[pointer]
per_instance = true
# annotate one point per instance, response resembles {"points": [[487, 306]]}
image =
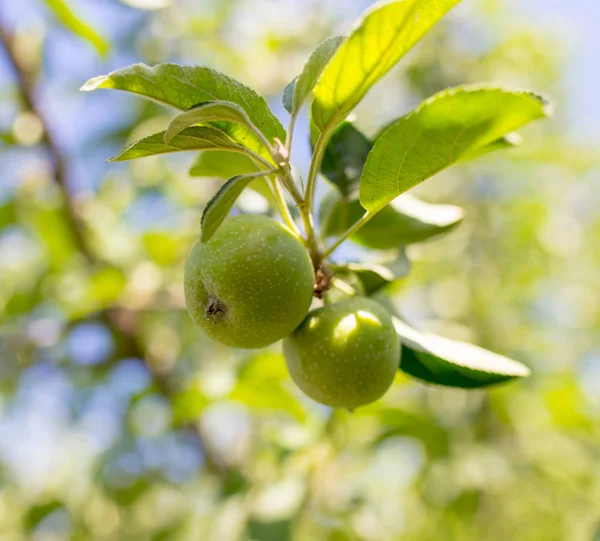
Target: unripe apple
{"points": [[344, 354], [251, 284]]}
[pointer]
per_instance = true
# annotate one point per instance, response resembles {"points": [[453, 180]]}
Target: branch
{"points": [[117, 319], [26, 86]]}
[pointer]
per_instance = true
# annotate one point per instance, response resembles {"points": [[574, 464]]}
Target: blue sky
{"points": [[580, 21]]}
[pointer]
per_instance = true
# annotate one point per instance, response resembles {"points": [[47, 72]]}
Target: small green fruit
{"points": [[344, 354], [251, 284]]}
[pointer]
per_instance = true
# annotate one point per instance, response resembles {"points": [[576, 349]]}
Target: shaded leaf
{"points": [[451, 363], [405, 220], [239, 127], [441, 131], [345, 157], [194, 138], [375, 276], [185, 87], [218, 207], [287, 98], [384, 35], [63, 12], [303, 85]]}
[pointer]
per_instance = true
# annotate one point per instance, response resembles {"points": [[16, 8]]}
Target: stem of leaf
{"points": [[286, 178], [260, 160], [349, 232], [311, 240], [283, 208], [315, 166], [305, 214]]}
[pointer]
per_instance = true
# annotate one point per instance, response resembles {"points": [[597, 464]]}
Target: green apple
{"points": [[344, 354], [251, 284]]}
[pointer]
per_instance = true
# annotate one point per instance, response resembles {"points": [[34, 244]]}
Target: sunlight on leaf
{"points": [[385, 34], [509, 141], [302, 86], [63, 12], [440, 132]]}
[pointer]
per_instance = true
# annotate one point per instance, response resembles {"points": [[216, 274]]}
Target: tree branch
{"points": [[117, 319], [26, 86]]}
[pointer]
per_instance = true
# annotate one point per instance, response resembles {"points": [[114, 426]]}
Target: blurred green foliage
{"points": [[120, 421]]}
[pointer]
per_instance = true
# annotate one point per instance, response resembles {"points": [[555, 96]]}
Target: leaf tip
{"points": [[522, 371], [546, 103], [94, 83], [206, 233]]}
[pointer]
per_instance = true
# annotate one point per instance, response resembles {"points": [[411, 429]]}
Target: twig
{"points": [[26, 87], [115, 318]]}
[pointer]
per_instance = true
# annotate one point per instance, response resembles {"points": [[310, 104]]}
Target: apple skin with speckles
{"points": [[345, 354], [251, 284]]}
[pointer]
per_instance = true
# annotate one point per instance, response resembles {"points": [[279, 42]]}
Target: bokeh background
{"points": [[120, 421]]}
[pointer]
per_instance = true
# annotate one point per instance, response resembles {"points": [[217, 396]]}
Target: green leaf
{"points": [[218, 207], [264, 384], [63, 12], [238, 126], [35, 514], [287, 97], [270, 530], [53, 229], [441, 131], [303, 85], [384, 35], [345, 157], [510, 140], [222, 164], [439, 360], [185, 87], [194, 138], [375, 276], [188, 404], [8, 214], [405, 220]]}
